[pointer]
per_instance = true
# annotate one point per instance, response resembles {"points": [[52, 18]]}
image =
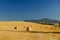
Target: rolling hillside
{"points": [[9, 32]]}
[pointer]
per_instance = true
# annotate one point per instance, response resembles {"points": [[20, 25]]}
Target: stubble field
{"points": [[7, 31]]}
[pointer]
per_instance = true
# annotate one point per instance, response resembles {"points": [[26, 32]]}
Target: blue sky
{"points": [[29, 9]]}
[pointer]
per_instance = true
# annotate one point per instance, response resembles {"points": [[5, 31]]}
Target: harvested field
{"points": [[14, 35], [17, 31]]}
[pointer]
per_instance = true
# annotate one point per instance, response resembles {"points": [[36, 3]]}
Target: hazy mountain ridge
{"points": [[44, 20]]}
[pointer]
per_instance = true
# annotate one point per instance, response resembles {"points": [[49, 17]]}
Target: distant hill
{"points": [[44, 20]]}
